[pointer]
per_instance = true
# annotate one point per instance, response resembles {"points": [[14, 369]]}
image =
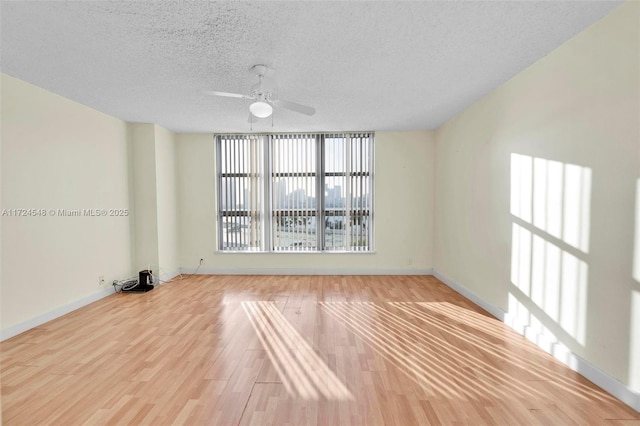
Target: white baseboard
{"points": [[571, 360], [166, 276], [304, 271], [14, 330], [493, 310]]}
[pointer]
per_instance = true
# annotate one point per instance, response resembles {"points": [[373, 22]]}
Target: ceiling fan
{"points": [[263, 98]]}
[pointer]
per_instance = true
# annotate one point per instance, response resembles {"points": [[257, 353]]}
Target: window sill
{"points": [[293, 252]]}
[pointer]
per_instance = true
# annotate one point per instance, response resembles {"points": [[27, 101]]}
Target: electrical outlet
{"points": [[101, 280]]}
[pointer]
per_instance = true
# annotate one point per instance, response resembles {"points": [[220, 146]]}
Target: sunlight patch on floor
{"points": [[303, 373]]}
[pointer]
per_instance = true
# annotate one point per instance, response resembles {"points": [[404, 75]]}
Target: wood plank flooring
{"points": [[297, 350]]}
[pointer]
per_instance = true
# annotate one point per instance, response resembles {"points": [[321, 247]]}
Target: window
{"points": [[295, 192]]}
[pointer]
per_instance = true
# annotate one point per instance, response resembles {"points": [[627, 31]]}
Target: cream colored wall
{"points": [[58, 154], [1, 207], [196, 197], [167, 217], [145, 198], [576, 110], [153, 175], [404, 167]]}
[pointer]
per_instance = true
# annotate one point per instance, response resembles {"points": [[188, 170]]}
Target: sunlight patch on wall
{"points": [[553, 197], [303, 373], [546, 276], [553, 279], [577, 202], [520, 318], [550, 203], [547, 196]]}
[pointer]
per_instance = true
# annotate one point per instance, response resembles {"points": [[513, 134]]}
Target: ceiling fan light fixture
{"points": [[261, 109]]}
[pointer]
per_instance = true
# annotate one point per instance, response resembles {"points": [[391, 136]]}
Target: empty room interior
{"points": [[320, 213]]}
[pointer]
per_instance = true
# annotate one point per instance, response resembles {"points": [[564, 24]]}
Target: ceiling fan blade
{"points": [[226, 94], [302, 109]]}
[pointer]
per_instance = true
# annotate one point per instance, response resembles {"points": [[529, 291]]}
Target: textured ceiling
{"points": [[362, 65]]}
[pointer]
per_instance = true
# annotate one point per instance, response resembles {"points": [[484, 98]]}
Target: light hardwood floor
{"points": [[297, 350]]}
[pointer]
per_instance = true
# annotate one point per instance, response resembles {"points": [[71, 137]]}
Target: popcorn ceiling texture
{"points": [[362, 65]]}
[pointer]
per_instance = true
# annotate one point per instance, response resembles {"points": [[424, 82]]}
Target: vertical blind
{"points": [[240, 192], [294, 189], [295, 192], [347, 186]]}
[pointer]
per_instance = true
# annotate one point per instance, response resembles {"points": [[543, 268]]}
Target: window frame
{"points": [[267, 211]]}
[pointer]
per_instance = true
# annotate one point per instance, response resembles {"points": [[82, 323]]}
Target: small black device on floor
{"points": [[145, 278]]}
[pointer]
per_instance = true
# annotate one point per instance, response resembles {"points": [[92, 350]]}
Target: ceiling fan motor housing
{"points": [[261, 95]]}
